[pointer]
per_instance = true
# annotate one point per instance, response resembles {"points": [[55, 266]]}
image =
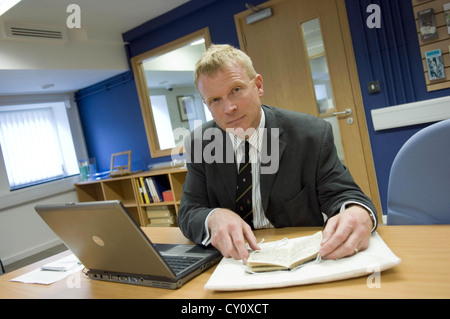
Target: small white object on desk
{"points": [[64, 264]]}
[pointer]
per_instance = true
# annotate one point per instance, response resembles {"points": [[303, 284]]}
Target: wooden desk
{"points": [[423, 273]]}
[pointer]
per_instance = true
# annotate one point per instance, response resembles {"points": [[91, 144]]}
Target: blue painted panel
{"points": [[112, 122]]}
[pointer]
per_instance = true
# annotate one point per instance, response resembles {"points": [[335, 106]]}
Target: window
{"points": [[36, 143], [163, 126]]}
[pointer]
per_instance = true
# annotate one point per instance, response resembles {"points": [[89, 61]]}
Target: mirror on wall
{"points": [[167, 94]]}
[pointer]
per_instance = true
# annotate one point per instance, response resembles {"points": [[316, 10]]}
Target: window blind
{"points": [[30, 146]]}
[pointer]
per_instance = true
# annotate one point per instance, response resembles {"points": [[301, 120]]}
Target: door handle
{"points": [[347, 112]]}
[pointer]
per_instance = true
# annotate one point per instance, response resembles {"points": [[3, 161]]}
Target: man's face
{"points": [[232, 97]]}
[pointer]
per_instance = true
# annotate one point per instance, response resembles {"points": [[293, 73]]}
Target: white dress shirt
{"points": [[255, 141]]}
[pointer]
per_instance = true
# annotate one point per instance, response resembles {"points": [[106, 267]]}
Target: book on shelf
{"points": [[149, 185], [285, 254], [160, 211], [163, 222], [152, 188], [168, 195], [162, 225], [141, 191], [161, 216], [144, 190]]}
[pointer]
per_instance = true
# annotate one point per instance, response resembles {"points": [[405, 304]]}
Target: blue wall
{"points": [[112, 122], [111, 115]]}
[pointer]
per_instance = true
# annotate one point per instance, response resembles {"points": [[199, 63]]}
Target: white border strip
{"points": [[37, 192], [411, 114]]}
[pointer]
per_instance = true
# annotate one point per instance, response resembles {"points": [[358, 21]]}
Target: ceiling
{"points": [[110, 18]]}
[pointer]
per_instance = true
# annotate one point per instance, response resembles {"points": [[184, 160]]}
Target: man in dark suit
{"points": [[297, 177]]}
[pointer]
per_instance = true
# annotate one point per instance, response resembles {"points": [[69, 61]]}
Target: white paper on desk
{"points": [[46, 277], [230, 274]]}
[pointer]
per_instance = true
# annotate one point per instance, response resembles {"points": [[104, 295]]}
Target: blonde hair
{"points": [[219, 56]]}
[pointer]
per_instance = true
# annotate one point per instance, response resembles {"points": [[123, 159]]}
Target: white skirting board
{"points": [[31, 251], [411, 114]]}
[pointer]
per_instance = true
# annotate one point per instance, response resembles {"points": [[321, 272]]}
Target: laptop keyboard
{"points": [[180, 263]]}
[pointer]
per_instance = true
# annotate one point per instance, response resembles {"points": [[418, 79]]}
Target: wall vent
{"points": [[29, 32]]}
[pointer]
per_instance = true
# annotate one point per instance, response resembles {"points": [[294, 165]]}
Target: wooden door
{"points": [[305, 56]]}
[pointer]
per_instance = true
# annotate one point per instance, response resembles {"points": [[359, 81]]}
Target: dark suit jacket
{"points": [[310, 178]]}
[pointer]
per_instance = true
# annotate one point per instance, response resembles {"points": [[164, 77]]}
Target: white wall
{"points": [[22, 231], [81, 51]]}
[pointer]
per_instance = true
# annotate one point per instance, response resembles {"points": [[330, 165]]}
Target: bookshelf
{"points": [[128, 189]]}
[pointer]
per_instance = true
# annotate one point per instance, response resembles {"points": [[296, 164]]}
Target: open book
{"points": [[285, 254]]}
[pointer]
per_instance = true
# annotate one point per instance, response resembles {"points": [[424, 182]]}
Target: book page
{"points": [[286, 253], [305, 249], [278, 256]]}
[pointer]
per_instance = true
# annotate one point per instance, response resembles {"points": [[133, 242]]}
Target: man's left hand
{"points": [[347, 233]]}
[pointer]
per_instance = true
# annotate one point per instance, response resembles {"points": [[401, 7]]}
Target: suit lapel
{"points": [[227, 169], [272, 138]]}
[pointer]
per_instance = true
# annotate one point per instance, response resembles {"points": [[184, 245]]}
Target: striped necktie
{"points": [[244, 188]]}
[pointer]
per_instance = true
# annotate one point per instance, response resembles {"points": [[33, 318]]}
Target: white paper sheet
{"points": [[47, 277], [230, 274]]}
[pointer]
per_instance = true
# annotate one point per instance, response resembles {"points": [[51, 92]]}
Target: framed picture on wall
{"points": [[427, 24], [447, 16], [435, 65], [186, 106]]}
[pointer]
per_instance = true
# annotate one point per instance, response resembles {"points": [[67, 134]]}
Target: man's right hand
{"points": [[229, 233]]}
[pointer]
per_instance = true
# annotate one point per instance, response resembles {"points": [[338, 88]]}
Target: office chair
{"points": [[419, 181]]}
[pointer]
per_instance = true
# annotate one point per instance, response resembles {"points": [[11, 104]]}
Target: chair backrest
{"points": [[419, 182]]}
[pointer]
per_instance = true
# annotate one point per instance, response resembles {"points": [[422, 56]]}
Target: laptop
{"points": [[109, 243]]}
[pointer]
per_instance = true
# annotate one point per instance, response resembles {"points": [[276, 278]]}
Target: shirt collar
{"points": [[254, 139]]}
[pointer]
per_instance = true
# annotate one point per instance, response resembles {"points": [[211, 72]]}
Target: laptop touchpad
{"points": [[197, 250], [183, 250]]}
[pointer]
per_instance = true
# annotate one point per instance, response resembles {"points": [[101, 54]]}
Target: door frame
{"points": [[356, 91]]}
